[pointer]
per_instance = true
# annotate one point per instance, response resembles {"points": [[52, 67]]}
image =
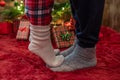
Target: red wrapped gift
{"points": [[62, 36], [16, 23], [5, 28], [23, 30]]}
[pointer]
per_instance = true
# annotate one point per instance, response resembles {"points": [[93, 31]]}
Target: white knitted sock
{"points": [[41, 45]]}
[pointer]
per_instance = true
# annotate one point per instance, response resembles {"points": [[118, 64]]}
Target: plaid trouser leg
{"points": [[39, 11]]}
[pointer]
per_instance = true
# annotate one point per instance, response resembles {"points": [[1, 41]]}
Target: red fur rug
{"points": [[17, 63]]}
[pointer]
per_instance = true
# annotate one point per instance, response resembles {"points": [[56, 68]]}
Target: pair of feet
{"points": [[76, 57]]}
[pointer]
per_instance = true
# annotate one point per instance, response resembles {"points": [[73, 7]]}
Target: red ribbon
{"points": [[23, 29]]}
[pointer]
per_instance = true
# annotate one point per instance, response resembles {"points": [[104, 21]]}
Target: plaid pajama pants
{"points": [[39, 11]]}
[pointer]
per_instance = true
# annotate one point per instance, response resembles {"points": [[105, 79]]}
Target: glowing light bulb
{"points": [[21, 1], [19, 8], [21, 5], [63, 8]]}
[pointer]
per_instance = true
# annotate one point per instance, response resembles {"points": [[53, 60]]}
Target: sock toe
{"points": [[56, 51]]}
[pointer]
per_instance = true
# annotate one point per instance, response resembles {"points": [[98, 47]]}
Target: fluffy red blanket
{"points": [[17, 63]]}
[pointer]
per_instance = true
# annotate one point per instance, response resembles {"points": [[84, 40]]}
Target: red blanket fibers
{"points": [[17, 63]]}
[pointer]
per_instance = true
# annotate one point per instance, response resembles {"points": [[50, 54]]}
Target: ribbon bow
{"points": [[23, 29]]}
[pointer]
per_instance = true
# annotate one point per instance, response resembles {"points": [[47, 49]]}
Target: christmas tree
{"points": [[63, 27], [61, 12], [13, 9]]}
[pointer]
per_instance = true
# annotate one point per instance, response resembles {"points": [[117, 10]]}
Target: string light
{"points": [[63, 8]]}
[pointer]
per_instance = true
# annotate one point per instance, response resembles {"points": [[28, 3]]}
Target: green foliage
{"points": [[61, 11], [10, 13], [66, 36]]}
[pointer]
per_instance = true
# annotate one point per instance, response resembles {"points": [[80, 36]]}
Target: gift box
{"points": [[6, 28], [62, 36], [23, 30]]}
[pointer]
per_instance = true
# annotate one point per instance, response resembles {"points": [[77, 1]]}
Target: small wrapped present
{"points": [[16, 22], [6, 28], [62, 36], [23, 30]]}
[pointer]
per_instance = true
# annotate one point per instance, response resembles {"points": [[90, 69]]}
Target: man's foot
{"points": [[69, 50], [80, 58]]}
